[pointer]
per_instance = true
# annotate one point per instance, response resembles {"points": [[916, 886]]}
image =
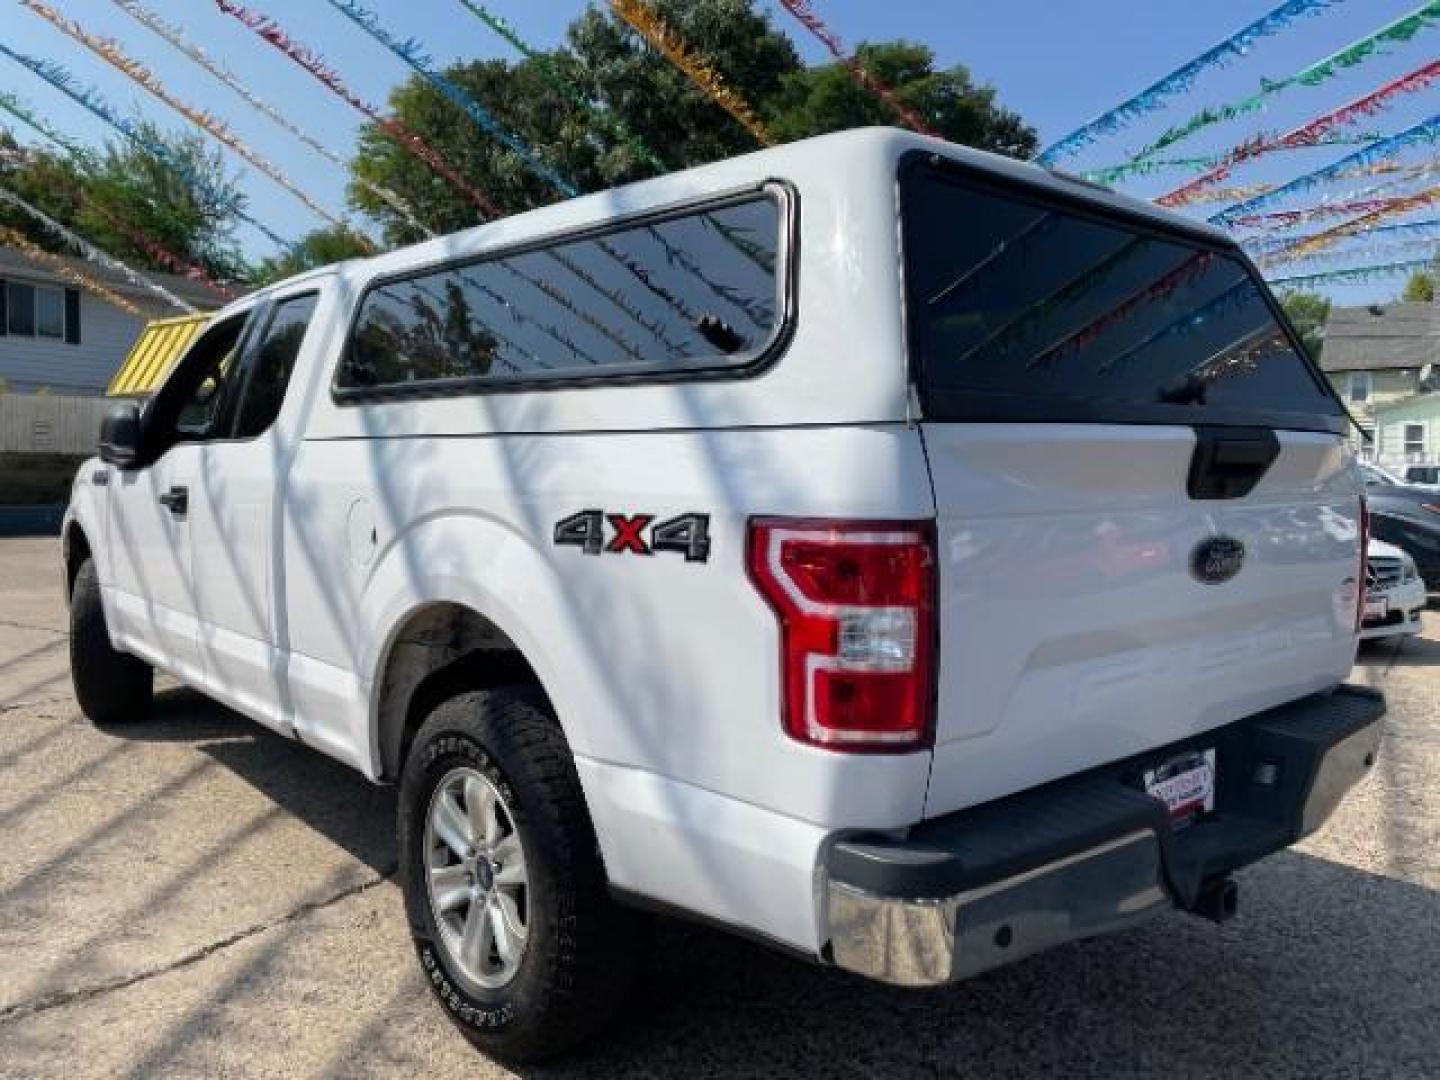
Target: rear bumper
{"points": [[1091, 853]]}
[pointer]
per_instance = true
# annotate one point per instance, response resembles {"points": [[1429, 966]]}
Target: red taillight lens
{"points": [[1364, 561], [856, 605]]}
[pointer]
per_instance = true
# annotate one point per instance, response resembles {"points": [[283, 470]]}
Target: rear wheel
{"points": [[504, 888], [110, 686]]}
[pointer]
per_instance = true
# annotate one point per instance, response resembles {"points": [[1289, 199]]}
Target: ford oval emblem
{"points": [[1217, 559]]}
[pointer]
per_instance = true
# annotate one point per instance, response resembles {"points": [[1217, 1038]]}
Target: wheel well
{"points": [[440, 651], [77, 550]]}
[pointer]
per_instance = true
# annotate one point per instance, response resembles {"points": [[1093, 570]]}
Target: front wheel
{"points": [[110, 686], [504, 888]]}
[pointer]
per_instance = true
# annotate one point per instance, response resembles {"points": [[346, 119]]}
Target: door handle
{"points": [[176, 500]]}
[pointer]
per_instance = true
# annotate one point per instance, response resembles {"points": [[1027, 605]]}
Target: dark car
{"points": [[1409, 518]]}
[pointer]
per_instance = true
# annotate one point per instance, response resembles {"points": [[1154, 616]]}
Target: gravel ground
{"points": [[192, 896]]}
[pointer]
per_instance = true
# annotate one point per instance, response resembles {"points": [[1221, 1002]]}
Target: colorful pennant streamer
{"points": [[89, 99], [649, 25], [1352, 275], [807, 18], [1430, 228], [271, 32], [16, 108], [172, 34], [410, 51], [11, 238], [1238, 194], [110, 52], [575, 95], [1181, 79], [1371, 252], [1354, 54], [1362, 224], [162, 255], [93, 253], [1427, 131], [1110, 174], [1305, 135]]}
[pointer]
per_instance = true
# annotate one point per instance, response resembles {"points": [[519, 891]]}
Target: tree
{"points": [[1421, 287], [122, 192], [820, 99], [1308, 312], [637, 104], [318, 248]]}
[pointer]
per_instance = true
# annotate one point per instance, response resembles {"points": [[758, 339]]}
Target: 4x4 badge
{"points": [[1217, 559]]}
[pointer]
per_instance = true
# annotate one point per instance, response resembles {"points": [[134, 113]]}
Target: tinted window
{"points": [[1026, 309], [271, 363], [698, 290]]}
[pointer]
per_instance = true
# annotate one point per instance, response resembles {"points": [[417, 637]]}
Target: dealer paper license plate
{"points": [[1376, 608], [1185, 783]]}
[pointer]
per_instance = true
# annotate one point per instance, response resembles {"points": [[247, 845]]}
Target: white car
{"points": [[1394, 592], [900, 554]]}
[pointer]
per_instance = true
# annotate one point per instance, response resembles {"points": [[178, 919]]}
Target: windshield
{"points": [[1025, 308]]}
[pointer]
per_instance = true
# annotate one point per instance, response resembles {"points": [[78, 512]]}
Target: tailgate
{"points": [[1076, 627], [1147, 518]]}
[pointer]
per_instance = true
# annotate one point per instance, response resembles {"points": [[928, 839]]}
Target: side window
{"points": [[271, 363], [197, 399], [694, 290]]}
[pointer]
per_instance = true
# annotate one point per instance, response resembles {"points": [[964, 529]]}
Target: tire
{"points": [[581, 951], [112, 687]]}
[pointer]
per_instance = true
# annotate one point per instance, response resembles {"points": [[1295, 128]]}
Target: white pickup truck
{"points": [[903, 555]]}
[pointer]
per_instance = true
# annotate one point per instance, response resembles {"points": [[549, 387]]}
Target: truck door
{"points": [[235, 508], [152, 576]]}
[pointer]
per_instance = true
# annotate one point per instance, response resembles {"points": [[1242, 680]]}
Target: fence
{"points": [[48, 424]]}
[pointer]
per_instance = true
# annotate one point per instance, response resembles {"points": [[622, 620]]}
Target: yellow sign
{"points": [[154, 353]]}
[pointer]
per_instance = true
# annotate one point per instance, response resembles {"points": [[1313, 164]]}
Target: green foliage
{"points": [[318, 248], [632, 100], [113, 196], [1308, 312], [1421, 287], [821, 99]]}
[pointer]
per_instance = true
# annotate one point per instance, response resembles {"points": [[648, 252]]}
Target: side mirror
{"points": [[120, 435]]}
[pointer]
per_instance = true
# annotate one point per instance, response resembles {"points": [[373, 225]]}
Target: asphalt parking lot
{"points": [[192, 896]]}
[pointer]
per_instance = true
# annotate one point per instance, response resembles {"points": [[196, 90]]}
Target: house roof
{"points": [[1382, 337], [193, 292]]}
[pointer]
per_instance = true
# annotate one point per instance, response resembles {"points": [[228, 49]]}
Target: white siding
{"points": [[106, 334]]}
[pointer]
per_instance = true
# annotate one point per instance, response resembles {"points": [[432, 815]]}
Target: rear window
{"points": [[692, 291], [1026, 308]]}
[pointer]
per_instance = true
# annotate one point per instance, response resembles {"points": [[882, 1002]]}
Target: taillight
{"points": [[1364, 561], [856, 605]]}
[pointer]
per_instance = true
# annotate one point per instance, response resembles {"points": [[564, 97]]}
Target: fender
{"points": [[468, 558]]}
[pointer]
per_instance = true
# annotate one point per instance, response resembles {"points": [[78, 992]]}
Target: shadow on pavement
{"points": [[1177, 998], [331, 798], [1327, 971]]}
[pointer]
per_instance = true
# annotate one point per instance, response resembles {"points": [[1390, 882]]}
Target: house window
{"points": [[1359, 386], [49, 313], [1414, 440], [44, 311], [20, 301]]}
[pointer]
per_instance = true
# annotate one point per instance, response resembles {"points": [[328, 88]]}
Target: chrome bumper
{"points": [[987, 887]]}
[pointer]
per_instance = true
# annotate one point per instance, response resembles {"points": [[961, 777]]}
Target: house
{"points": [[1380, 354], [68, 341], [1407, 432]]}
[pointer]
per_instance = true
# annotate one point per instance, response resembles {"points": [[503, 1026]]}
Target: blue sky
{"points": [[1058, 62]]}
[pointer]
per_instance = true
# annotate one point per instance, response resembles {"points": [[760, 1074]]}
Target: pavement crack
{"points": [[30, 626], [57, 998]]}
